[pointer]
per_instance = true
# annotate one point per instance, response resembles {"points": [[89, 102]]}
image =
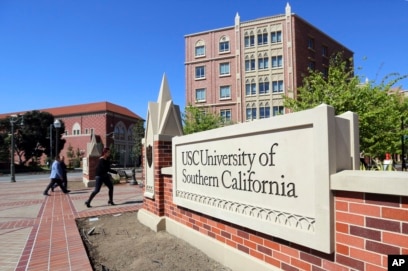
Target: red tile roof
{"points": [[84, 109]]}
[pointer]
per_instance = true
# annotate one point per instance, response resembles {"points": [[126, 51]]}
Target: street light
{"points": [[50, 142], [13, 119], [403, 161], [57, 125], [113, 135]]}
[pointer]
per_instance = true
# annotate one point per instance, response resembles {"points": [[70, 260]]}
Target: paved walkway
{"points": [[39, 233]]}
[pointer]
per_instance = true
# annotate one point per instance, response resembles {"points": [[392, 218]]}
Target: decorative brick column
{"points": [[162, 159], [94, 152]]}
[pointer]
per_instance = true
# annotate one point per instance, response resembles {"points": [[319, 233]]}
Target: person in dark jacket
{"points": [[64, 173], [102, 177]]}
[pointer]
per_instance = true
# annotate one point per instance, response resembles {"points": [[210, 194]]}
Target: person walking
{"points": [[56, 177], [64, 175], [102, 177]]}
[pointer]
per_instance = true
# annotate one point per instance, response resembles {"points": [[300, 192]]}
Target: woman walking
{"points": [[102, 177]]}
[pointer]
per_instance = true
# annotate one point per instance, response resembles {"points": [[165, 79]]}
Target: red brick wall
{"points": [[97, 122], [213, 81], [102, 124], [368, 227], [303, 31], [162, 158]]}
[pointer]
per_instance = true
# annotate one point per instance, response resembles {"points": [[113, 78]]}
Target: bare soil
{"points": [[119, 242]]}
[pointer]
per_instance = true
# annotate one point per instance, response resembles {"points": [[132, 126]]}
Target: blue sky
{"points": [[64, 52]]}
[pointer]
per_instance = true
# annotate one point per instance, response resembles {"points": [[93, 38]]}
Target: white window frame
{"points": [[276, 36], [201, 75], [250, 88], [277, 86], [277, 61], [202, 97], [250, 112], [226, 115], [225, 69], [278, 110], [227, 95], [264, 111]]}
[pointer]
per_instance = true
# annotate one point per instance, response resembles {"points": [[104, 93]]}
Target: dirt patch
{"points": [[119, 242]]}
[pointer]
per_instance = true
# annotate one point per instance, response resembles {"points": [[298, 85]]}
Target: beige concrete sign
{"points": [[269, 175]]}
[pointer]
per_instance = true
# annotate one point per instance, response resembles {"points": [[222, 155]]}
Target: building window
{"points": [[250, 65], [312, 65], [262, 39], [76, 129], [200, 72], [325, 51], [277, 61], [263, 62], [249, 41], [224, 69], [251, 112], [264, 111], [277, 86], [277, 110], [225, 115], [200, 95], [276, 37], [264, 87], [225, 92], [200, 49], [120, 131], [311, 43], [224, 45], [250, 88]]}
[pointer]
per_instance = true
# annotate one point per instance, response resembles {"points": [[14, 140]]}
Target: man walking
{"points": [[57, 176]]}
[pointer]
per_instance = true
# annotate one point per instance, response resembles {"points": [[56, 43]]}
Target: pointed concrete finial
{"points": [[164, 95], [237, 19], [288, 9], [93, 139]]}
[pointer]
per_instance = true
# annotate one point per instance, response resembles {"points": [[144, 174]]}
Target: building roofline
{"points": [[259, 20], [209, 31], [322, 32], [78, 109]]}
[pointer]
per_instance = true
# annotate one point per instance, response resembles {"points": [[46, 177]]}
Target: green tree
{"points": [[114, 154], [138, 134], [32, 139], [4, 149], [379, 112], [74, 157], [196, 120]]}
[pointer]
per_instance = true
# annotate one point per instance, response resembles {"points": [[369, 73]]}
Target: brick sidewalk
{"points": [[39, 232]]}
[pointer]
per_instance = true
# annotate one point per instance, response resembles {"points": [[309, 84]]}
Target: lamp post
{"points": [[112, 135], [51, 142], [124, 157], [13, 119], [404, 165], [57, 125]]}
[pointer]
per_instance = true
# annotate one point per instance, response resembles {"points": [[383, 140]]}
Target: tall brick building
{"points": [[242, 71], [112, 125]]}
